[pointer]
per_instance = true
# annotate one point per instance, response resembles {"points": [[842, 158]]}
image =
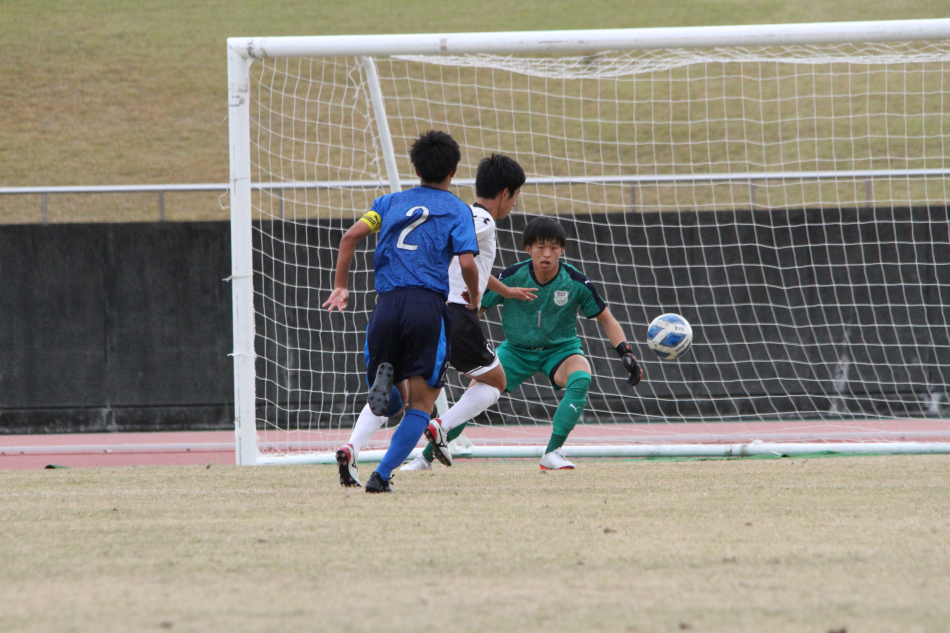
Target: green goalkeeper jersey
{"points": [[551, 319]]}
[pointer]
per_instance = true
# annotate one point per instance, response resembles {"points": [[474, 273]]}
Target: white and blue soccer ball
{"points": [[669, 336]]}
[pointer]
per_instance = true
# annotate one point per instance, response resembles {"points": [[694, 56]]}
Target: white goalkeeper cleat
{"points": [[419, 463], [555, 460], [439, 438], [346, 461]]}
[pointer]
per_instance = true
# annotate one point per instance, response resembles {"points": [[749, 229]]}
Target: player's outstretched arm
{"points": [[614, 332], [522, 294], [341, 294], [470, 277]]}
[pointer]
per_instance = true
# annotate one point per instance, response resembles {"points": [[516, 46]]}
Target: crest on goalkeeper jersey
{"points": [[669, 336], [560, 297]]}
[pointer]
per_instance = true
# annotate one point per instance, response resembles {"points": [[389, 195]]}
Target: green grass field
{"points": [[856, 544], [111, 92]]}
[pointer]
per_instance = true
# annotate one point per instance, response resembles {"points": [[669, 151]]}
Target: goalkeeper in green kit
{"points": [[541, 336]]}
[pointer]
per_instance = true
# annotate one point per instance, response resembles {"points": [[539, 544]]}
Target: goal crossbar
{"points": [[590, 40]]}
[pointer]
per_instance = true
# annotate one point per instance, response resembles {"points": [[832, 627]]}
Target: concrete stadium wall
{"points": [[115, 327]]}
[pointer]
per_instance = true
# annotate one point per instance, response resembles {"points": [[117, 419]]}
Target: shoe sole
{"points": [[382, 388], [346, 479], [561, 468], [436, 451]]}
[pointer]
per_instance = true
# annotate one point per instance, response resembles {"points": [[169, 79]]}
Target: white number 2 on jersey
{"points": [[401, 242]]}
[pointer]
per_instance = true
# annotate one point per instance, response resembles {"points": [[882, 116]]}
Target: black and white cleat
{"points": [[440, 442], [379, 393], [346, 460]]}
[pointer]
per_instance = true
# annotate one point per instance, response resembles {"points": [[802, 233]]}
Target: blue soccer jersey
{"points": [[420, 231]]}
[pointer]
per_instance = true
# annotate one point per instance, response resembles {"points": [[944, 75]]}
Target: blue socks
{"points": [[395, 402], [405, 438]]}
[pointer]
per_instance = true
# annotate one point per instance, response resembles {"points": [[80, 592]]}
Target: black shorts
{"points": [[411, 330], [472, 354]]}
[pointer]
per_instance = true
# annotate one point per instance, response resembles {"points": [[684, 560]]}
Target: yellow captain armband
{"points": [[373, 220]]}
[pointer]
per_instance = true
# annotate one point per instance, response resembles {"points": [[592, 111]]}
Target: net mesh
{"points": [[790, 202]]}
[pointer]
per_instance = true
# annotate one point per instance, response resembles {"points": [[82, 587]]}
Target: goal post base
{"points": [[750, 449]]}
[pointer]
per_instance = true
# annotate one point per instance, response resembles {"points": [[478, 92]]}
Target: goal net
{"points": [[789, 200]]}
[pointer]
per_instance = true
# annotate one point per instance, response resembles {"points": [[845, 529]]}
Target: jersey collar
{"points": [[560, 267]]}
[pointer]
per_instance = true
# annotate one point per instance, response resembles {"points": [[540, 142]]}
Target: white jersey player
{"points": [[497, 184]]}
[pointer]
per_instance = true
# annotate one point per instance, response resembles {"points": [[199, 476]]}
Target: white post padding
{"points": [[242, 267], [752, 449]]}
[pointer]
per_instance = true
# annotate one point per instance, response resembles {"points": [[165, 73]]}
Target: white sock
{"points": [[366, 426], [472, 402]]}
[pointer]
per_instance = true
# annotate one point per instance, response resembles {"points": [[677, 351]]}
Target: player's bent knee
{"points": [[501, 382], [578, 383], [495, 378], [578, 363], [421, 395], [495, 395], [570, 366]]}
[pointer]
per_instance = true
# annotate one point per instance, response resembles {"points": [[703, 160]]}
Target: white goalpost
{"points": [[783, 187]]}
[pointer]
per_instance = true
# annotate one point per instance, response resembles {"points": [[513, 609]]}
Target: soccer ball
{"points": [[669, 336]]}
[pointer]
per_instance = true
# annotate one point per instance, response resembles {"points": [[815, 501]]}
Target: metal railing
{"points": [[752, 178], [44, 192]]}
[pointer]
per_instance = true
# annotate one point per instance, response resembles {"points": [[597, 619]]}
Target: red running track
{"points": [[99, 450], [217, 447]]}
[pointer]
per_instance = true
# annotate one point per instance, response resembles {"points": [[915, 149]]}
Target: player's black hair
{"points": [[435, 155], [497, 173], [544, 229]]}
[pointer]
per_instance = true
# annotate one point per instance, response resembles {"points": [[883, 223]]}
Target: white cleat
{"points": [[439, 438], [555, 460], [419, 463], [346, 462]]}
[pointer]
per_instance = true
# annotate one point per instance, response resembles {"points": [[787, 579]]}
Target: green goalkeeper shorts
{"points": [[520, 363]]}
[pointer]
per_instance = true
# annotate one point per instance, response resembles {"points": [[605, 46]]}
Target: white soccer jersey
{"points": [[485, 233]]}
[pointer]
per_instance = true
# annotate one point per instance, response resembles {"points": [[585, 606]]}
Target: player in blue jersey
{"points": [[408, 338], [498, 181]]}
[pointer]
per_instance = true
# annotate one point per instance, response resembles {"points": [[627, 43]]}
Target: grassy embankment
{"points": [[110, 92]]}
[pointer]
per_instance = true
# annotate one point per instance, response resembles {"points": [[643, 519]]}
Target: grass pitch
{"points": [[783, 545]]}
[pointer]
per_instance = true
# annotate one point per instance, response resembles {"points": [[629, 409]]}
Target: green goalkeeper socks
{"points": [[453, 433], [570, 409]]}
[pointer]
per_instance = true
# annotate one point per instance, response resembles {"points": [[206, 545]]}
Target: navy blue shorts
{"points": [[410, 329]]}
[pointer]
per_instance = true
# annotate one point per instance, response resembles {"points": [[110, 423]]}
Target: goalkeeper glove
{"points": [[630, 363]]}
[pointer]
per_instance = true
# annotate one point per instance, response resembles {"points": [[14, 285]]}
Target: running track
{"points": [[217, 447]]}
